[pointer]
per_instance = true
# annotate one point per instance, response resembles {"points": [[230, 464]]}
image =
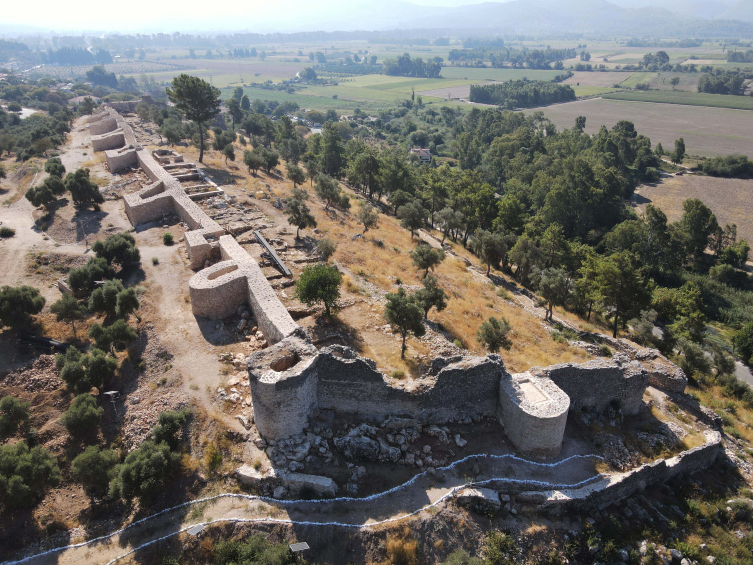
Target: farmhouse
{"points": [[424, 155]]}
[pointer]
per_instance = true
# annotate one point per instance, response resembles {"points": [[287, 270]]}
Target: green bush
{"points": [[6, 232], [13, 414], [168, 426], [83, 279], [499, 549], [167, 238], [84, 416], [93, 469], [155, 261], [18, 304], [105, 297], [25, 474], [81, 372], [116, 336], [493, 334], [252, 551], [145, 471], [118, 248]]}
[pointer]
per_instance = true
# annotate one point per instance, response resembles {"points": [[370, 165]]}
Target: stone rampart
{"points": [[598, 383], [349, 383], [533, 411], [218, 290], [214, 293], [621, 486]]}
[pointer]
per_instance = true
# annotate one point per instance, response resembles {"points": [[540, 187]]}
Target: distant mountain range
{"points": [[638, 18]]}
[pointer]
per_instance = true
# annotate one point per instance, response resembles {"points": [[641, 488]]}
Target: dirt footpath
{"points": [[413, 497]]}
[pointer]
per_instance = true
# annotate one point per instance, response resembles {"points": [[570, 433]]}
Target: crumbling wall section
{"points": [[621, 486], [597, 383], [350, 383]]}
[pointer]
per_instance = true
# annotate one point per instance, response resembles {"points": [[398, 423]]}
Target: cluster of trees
{"points": [[722, 82], [517, 58], [82, 190], [76, 56], [521, 93], [655, 61], [663, 43], [740, 56], [730, 166], [35, 135], [404, 66]]}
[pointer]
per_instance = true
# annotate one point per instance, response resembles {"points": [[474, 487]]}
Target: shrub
{"points": [[83, 372], [255, 549], [18, 303], [93, 469], [327, 248], [145, 471], [83, 279], [6, 232], [25, 474], [13, 413], [493, 334], [83, 416], [319, 284], [168, 426], [155, 261], [167, 238], [743, 342], [105, 297], [499, 548], [118, 248], [115, 337]]}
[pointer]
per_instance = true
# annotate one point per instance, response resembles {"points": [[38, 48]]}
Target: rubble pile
{"points": [[38, 376]]}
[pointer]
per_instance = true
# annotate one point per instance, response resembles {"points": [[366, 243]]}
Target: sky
{"points": [[198, 15]]}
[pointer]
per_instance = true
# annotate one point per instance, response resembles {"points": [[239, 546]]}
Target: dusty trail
{"points": [[403, 501]]}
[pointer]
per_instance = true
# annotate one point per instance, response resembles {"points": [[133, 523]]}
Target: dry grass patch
{"points": [[382, 260]]}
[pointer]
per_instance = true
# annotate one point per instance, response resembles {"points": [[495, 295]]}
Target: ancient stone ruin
{"points": [[292, 380]]}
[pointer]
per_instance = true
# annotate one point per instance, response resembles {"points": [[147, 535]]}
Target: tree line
{"points": [[407, 67], [521, 93]]}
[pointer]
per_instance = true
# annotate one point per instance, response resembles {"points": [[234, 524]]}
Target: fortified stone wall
{"points": [[215, 292], [348, 383], [624, 485], [218, 290], [292, 379], [598, 383]]}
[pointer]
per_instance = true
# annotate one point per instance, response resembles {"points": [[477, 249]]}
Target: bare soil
{"points": [[707, 131], [731, 200]]}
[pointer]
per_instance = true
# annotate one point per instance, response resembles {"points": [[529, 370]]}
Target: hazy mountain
{"points": [[639, 18]]}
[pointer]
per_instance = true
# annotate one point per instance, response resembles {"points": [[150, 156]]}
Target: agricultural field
{"points": [[686, 98], [707, 132], [637, 78], [127, 68], [731, 200]]}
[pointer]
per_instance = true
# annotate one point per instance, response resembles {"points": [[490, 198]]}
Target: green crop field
{"points": [[581, 91], [687, 98], [637, 78]]}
